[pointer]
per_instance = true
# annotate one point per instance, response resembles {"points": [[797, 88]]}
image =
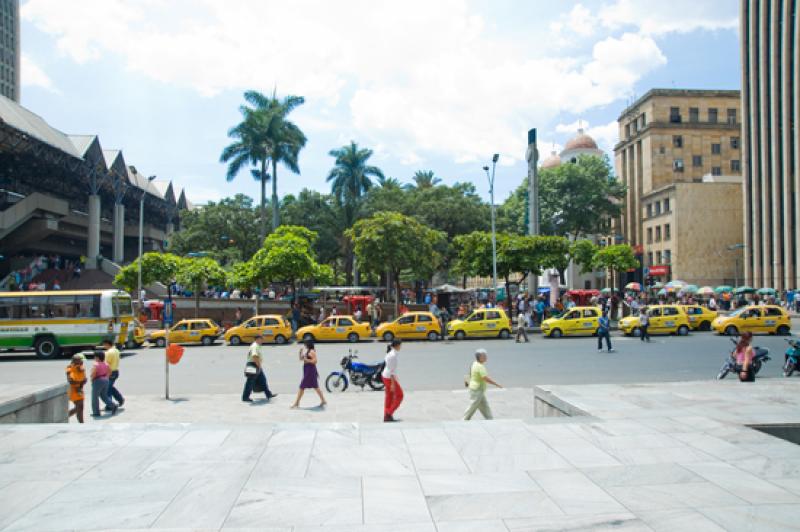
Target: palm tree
{"points": [[265, 137], [350, 179], [425, 179], [389, 183]]}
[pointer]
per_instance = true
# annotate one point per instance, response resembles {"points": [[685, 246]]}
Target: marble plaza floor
{"points": [[649, 457]]}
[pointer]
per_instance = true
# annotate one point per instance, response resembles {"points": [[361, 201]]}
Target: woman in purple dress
{"points": [[308, 356]]}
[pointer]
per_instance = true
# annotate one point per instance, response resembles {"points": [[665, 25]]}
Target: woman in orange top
{"points": [[76, 376]]}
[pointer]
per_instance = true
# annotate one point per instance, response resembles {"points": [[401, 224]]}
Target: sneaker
{"points": [[248, 400], [611, 350], [272, 396], [121, 403], [388, 419], [599, 350]]}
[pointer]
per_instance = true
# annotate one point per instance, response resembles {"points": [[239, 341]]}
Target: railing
{"points": [[35, 268]]}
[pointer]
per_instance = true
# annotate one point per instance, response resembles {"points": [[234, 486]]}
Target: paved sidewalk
{"points": [[651, 457]]}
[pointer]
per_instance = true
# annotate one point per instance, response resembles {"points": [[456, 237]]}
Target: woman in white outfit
{"points": [[478, 377]]}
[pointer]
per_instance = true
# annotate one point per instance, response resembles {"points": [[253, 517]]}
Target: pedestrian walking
{"points": [[76, 377], [237, 316], [604, 331], [308, 356], [255, 378], [99, 376], [393, 392], [478, 378], [112, 359], [644, 324], [521, 322], [295, 317]]}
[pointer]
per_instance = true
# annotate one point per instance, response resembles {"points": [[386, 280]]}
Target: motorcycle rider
{"points": [[744, 358]]}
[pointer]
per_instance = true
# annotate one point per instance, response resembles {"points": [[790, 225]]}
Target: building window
{"points": [[667, 232], [716, 170], [649, 235], [649, 210], [627, 131], [677, 165], [736, 165], [666, 205], [734, 143], [712, 115], [658, 208], [677, 141], [667, 256], [649, 258], [658, 233], [697, 160], [643, 119], [658, 257], [662, 150], [675, 115], [716, 149], [694, 114], [732, 117]]}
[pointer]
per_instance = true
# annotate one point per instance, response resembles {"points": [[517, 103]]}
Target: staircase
{"points": [[25, 209]]}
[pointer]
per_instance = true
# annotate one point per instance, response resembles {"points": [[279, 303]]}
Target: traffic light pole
{"points": [[532, 157]]}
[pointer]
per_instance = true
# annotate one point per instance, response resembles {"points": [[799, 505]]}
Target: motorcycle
{"points": [[356, 373], [761, 355], [792, 357]]}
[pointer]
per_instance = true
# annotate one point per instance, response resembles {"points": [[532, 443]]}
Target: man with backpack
{"points": [[604, 331]]}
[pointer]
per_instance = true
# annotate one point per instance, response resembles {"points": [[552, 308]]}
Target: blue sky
{"points": [[428, 85]]}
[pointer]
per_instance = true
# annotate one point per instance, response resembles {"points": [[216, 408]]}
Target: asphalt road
{"points": [[423, 365]]}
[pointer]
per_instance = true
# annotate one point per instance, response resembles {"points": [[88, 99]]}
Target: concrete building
{"points": [[670, 138], [9, 49], [65, 195], [770, 39]]}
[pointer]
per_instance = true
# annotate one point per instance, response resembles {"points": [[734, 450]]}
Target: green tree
{"points": [[197, 274], [245, 276], [511, 215], [227, 229], [616, 258], [350, 178], [582, 252], [424, 179], [394, 242], [265, 136], [288, 256], [320, 213], [156, 268]]}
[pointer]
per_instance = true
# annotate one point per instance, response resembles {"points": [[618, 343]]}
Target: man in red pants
{"points": [[394, 393]]}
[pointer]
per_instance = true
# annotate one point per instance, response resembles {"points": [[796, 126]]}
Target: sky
{"points": [[428, 85]]}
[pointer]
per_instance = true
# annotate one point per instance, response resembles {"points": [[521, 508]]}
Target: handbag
{"points": [[250, 369]]}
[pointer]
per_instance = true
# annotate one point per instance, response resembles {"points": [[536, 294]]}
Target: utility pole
{"points": [[495, 158], [532, 156]]}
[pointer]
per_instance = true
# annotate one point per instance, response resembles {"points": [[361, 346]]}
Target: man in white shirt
{"points": [[394, 393], [255, 381]]}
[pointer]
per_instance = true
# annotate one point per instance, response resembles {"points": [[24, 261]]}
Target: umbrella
{"points": [[605, 291], [662, 292], [689, 289], [676, 284], [744, 290], [766, 291], [723, 288], [704, 291], [656, 286], [636, 287]]}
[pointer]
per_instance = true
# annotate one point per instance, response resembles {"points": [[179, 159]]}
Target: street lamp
{"points": [[141, 239], [495, 157]]}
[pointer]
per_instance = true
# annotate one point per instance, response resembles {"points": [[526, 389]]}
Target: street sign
{"points": [[168, 316]]}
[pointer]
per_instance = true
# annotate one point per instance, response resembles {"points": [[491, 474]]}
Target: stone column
{"points": [[119, 233], [93, 235]]}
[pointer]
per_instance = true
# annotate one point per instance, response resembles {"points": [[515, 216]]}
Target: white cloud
{"points": [[417, 84], [657, 17], [569, 28], [34, 76]]}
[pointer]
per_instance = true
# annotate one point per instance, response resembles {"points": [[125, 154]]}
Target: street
{"points": [[423, 365]]}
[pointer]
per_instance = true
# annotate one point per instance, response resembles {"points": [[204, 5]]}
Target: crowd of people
{"points": [[25, 279]]}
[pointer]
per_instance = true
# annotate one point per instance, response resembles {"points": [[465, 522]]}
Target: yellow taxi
{"points": [[136, 335], [202, 331], [577, 321], [411, 325], [700, 317], [770, 319], [664, 319], [271, 327], [335, 328], [482, 322]]}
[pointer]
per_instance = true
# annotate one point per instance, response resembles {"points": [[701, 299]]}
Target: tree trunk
{"points": [[258, 301], [263, 202], [348, 265], [396, 293], [197, 303], [275, 214]]}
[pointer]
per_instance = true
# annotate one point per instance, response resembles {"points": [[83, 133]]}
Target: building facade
{"points": [[671, 138], [770, 40], [9, 49]]}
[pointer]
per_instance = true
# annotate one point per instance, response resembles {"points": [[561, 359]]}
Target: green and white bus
{"points": [[65, 321]]}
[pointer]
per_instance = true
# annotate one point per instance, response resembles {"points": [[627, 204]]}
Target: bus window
{"points": [[61, 307], [122, 306], [88, 306], [8, 307]]}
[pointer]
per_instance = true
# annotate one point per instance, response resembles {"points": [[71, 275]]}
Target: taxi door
{"points": [[180, 333], [493, 323], [588, 322], [771, 319], [752, 320], [196, 330], [424, 325], [327, 329], [249, 329], [344, 326], [669, 318], [569, 323], [269, 328], [474, 324], [405, 326], [656, 320]]}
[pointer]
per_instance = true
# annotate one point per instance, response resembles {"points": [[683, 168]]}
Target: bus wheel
{"points": [[47, 347]]}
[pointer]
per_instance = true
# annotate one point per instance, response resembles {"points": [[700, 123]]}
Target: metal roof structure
{"points": [[29, 123]]}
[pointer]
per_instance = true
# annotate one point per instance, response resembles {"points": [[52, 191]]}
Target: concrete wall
{"points": [[34, 404]]}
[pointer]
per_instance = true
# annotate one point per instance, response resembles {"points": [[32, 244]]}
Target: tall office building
{"points": [[9, 49], [770, 40]]}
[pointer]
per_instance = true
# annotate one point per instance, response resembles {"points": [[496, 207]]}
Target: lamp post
{"points": [[141, 243], [495, 157]]}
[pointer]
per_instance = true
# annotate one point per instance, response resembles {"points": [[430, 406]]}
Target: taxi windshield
{"points": [[737, 312]]}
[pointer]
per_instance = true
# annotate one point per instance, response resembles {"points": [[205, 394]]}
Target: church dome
{"points": [[581, 141], [552, 161]]}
